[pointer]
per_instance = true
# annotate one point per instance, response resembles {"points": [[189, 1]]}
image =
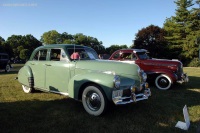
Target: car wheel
{"points": [[163, 82], [27, 89], [7, 69], [94, 100]]}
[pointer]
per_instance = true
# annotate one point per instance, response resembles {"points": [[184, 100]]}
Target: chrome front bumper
{"points": [[184, 79], [118, 97]]}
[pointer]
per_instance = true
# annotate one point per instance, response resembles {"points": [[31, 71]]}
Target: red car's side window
{"points": [[116, 56]]}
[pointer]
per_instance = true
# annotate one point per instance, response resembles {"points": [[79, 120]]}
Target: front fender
{"points": [[105, 81], [25, 76], [170, 74]]}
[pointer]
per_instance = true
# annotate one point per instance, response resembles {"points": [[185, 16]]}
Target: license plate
{"points": [[118, 93]]}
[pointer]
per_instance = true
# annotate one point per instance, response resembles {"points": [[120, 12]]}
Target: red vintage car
{"points": [[163, 72]]}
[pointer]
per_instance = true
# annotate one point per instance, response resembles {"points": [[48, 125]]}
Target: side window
{"points": [[122, 56], [77, 54], [127, 56], [41, 55], [58, 55], [134, 57], [116, 56], [55, 54], [63, 55]]}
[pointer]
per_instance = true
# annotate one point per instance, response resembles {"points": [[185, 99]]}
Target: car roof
{"points": [[134, 50], [61, 46]]}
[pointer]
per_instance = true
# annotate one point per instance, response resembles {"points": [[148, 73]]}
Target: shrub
{"points": [[194, 63]]}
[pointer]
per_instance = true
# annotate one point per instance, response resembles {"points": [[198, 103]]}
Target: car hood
{"points": [[108, 66]]}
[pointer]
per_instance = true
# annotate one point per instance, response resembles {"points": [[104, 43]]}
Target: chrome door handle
{"points": [[47, 64]]}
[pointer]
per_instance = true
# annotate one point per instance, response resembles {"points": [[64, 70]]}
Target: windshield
{"points": [[82, 54], [142, 55]]}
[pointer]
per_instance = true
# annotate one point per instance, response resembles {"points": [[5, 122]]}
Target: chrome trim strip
{"points": [[42, 89], [63, 93]]}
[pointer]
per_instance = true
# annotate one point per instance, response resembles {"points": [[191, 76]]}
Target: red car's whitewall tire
{"points": [[163, 82]]}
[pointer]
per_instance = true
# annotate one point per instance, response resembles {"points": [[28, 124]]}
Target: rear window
{"points": [[142, 55]]}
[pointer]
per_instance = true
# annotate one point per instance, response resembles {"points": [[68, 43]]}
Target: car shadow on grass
{"points": [[159, 113]]}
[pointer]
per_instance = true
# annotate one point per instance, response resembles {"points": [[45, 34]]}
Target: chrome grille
{"points": [[179, 71]]}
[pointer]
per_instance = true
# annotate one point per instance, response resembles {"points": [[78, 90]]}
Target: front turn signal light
{"points": [[133, 88], [146, 85]]}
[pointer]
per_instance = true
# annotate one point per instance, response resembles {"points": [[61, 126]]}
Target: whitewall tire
{"points": [[163, 82], [27, 89], [7, 69], [94, 101]]}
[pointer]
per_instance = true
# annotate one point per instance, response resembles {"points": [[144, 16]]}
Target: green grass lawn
{"points": [[47, 112]]}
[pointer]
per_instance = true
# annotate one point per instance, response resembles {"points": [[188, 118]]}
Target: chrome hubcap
{"points": [[26, 88], [93, 101], [7, 68], [163, 82]]}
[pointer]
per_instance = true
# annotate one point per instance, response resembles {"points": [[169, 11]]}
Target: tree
{"points": [[178, 28], [67, 38], [30, 42], [152, 39], [89, 41], [191, 47], [12, 43], [115, 47], [2, 41], [16, 43], [51, 37], [24, 54], [81, 39]]}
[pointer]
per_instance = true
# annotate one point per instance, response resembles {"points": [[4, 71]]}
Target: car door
{"points": [[57, 72], [38, 67]]}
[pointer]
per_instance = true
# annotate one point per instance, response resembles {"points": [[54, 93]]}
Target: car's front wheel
{"points": [[27, 89], [94, 100], [7, 69], [163, 82]]}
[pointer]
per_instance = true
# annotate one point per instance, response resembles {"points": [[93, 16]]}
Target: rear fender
{"points": [[25, 76]]}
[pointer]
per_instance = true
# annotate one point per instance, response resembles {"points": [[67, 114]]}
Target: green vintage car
{"points": [[77, 72]]}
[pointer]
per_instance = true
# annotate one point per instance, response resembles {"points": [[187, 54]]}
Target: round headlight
{"points": [[116, 82], [144, 76], [138, 71]]}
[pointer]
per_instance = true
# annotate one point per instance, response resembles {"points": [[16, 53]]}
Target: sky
{"points": [[114, 22]]}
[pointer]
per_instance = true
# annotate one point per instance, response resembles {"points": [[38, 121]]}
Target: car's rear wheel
{"points": [[27, 89], [7, 69], [163, 82], [94, 100]]}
